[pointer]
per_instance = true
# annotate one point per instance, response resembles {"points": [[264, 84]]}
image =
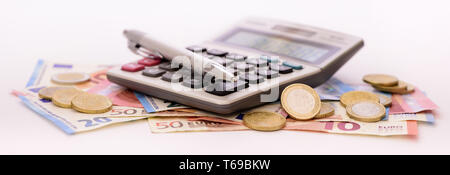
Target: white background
{"points": [[409, 39]]}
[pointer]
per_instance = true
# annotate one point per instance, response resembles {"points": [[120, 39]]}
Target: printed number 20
{"points": [[90, 123]]}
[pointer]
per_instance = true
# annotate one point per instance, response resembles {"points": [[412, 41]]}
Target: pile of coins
{"points": [[363, 106], [388, 83], [300, 101], [69, 97]]}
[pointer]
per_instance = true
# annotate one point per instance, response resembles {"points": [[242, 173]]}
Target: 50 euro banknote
{"points": [[339, 123]]}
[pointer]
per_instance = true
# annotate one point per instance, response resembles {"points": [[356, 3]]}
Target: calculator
{"points": [[266, 55]]}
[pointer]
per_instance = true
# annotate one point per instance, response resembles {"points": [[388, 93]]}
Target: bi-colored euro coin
{"points": [[401, 87], [380, 79], [356, 96], [385, 100], [300, 101], [63, 97], [47, 93], [91, 103], [366, 111], [264, 121], [70, 78], [326, 110]]}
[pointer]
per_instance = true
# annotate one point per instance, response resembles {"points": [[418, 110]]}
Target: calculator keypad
{"points": [[249, 70]]}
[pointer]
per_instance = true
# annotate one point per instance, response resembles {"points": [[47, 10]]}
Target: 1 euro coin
{"points": [[366, 111], [300, 101]]}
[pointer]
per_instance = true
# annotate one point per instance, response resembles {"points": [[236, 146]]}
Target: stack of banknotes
{"points": [[164, 116]]}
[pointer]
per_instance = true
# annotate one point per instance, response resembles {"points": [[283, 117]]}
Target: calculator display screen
{"points": [[280, 45]]}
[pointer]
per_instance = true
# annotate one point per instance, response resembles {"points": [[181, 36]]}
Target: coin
{"points": [[384, 100], [355, 96], [380, 79], [63, 97], [70, 78], [264, 121], [91, 103], [409, 89], [47, 93], [326, 110], [401, 87], [366, 111], [300, 101]]}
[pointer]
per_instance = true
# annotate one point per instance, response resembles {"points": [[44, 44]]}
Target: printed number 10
{"points": [[342, 126]]}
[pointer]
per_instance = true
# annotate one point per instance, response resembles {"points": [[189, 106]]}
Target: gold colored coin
{"points": [[47, 93], [380, 79], [63, 97], [401, 87], [70, 78], [264, 121], [91, 103], [326, 110], [300, 101], [409, 89], [355, 96], [366, 111], [385, 100]]}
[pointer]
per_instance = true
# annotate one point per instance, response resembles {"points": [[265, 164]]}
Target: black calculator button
{"points": [[235, 57], [192, 83], [223, 62], [251, 78], [196, 48], [222, 88], [216, 52], [172, 77], [257, 62], [153, 72], [219, 90], [243, 67], [233, 71], [280, 68], [169, 67], [267, 73]]}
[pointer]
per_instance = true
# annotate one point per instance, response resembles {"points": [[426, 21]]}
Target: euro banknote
{"points": [[401, 104], [193, 124], [44, 70], [71, 121], [338, 123], [121, 96]]}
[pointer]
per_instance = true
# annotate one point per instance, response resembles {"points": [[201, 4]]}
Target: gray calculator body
{"points": [[319, 53]]}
